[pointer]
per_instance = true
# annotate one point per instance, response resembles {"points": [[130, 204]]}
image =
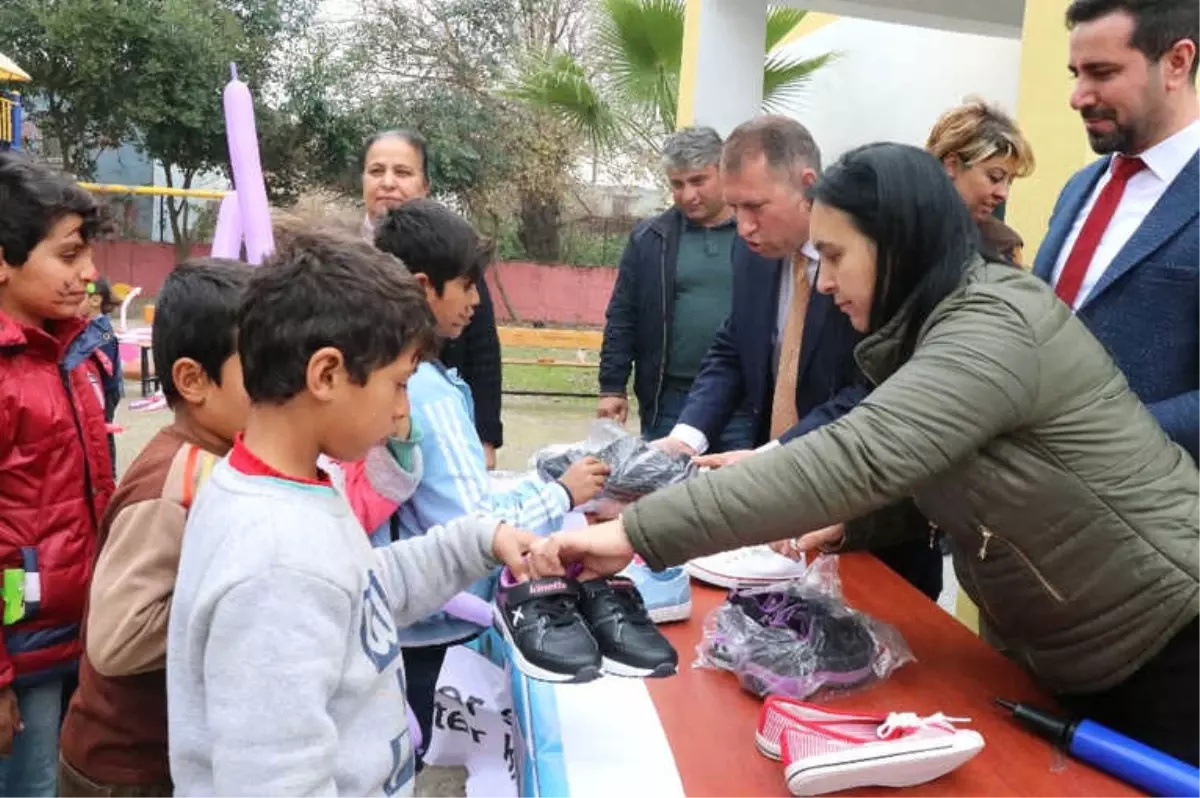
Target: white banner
{"points": [[473, 724]]}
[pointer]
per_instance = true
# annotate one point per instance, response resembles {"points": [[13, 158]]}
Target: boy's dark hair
{"points": [[322, 288], [101, 288], [1157, 24], [195, 315], [33, 198], [433, 240]]}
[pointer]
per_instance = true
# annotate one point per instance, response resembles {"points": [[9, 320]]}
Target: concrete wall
{"points": [[555, 295], [891, 81], [721, 75]]}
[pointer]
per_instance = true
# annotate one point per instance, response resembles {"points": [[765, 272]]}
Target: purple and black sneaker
{"points": [[791, 645], [549, 638]]}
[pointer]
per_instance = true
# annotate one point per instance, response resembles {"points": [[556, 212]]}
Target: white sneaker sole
{"points": [[730, 582], [678, 612], [895, 765], [587, 674], [614, 668], [770, 750]]}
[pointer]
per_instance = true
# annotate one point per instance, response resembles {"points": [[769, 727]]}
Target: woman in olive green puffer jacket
{"points": [[1074, 520]]}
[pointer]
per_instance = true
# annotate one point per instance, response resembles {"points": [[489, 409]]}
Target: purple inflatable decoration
{"points": [[246, 166], [469, 607], [414, 728], [227, 238]]}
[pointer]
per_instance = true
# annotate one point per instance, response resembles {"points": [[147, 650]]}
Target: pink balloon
{"points": [[227, 238], [469, 607], [246, 166]]}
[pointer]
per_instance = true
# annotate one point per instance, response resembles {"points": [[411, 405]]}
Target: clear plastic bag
{"points": [[800, 638], [637, 468]]}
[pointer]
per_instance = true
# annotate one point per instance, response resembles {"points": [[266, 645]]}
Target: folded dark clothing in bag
{"points": [[637, 469]]}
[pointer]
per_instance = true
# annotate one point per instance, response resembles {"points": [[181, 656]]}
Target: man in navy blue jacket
{"points": [[672, 293], [785, 353], [1123, 247]]}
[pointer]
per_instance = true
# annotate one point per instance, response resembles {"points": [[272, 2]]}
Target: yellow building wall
{"points": [[685, 111], [1045, 116], [813, 21]]}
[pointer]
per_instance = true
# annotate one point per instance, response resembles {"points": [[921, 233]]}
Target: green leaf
{"points": [[557, 83], [785, 78], [782, 20], [641, 51]]}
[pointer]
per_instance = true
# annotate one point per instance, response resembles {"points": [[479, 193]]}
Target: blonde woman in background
{"points": [[983, 151]]}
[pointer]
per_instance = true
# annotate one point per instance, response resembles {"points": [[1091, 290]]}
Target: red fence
{"points": [[555, 295]]}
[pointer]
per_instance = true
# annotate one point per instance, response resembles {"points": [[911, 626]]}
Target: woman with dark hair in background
{"points": [[1073, 519], [983, 151], [395, 169]]}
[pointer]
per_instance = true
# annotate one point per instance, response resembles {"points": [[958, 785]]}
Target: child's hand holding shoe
{"points": [[584, 480], [599, 550], [510, 546]]}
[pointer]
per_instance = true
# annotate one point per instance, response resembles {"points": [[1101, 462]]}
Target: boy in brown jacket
{"points": [[114, 738]]}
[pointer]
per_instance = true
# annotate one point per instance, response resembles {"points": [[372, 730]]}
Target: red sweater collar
{"points": [[250, 464]]}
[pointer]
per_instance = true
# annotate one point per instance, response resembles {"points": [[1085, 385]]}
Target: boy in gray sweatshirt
{"points": [[284, 674]]}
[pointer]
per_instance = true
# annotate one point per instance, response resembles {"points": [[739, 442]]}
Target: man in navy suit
{"points": [[1123, 246], [1123, 250], [784, 355]]}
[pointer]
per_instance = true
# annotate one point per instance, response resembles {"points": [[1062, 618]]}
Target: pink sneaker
{"points": [[827, 751], [780, 712]]}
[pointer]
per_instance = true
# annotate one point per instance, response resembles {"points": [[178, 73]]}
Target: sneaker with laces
{"points": [[830, 648], [825, 751], [548, 637], [667, 594], [752, 566], [630, 643]]}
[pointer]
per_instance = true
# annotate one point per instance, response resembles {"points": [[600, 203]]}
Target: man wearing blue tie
{"points": [[1123, 246]]}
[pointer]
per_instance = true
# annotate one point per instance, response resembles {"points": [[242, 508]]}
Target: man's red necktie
{"points": [[1093, 229]]}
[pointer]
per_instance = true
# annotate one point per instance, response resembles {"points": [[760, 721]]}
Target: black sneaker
{"points": [[549, 639], [630, 643]]}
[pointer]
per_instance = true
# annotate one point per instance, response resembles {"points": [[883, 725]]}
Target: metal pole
{"points": [[154, 191], [16, 121]]}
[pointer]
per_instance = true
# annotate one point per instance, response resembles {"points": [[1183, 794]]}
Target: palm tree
{"points": [[634, 90]]}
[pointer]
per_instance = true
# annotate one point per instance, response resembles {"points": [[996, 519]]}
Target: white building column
{"points": [[722, 71]]}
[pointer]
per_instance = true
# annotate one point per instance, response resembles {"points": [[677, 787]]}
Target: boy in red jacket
{"points": [[55, 473]]}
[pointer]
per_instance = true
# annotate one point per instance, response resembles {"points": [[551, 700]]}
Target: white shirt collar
{"points": [[810, 252], [1167, 158]]}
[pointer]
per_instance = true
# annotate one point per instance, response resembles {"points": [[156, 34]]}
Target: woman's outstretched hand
{"points": [[599, 550], [724, 459], [813, 543]]}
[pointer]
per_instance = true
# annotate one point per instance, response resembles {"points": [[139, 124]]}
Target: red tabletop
{"points": [[710, 721]]}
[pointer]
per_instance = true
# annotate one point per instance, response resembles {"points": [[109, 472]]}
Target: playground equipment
{"points": [[10, 104], [155, 191], [10, 120]]}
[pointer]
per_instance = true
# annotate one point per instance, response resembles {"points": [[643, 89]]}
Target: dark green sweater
{"points": [[703, 288]]}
